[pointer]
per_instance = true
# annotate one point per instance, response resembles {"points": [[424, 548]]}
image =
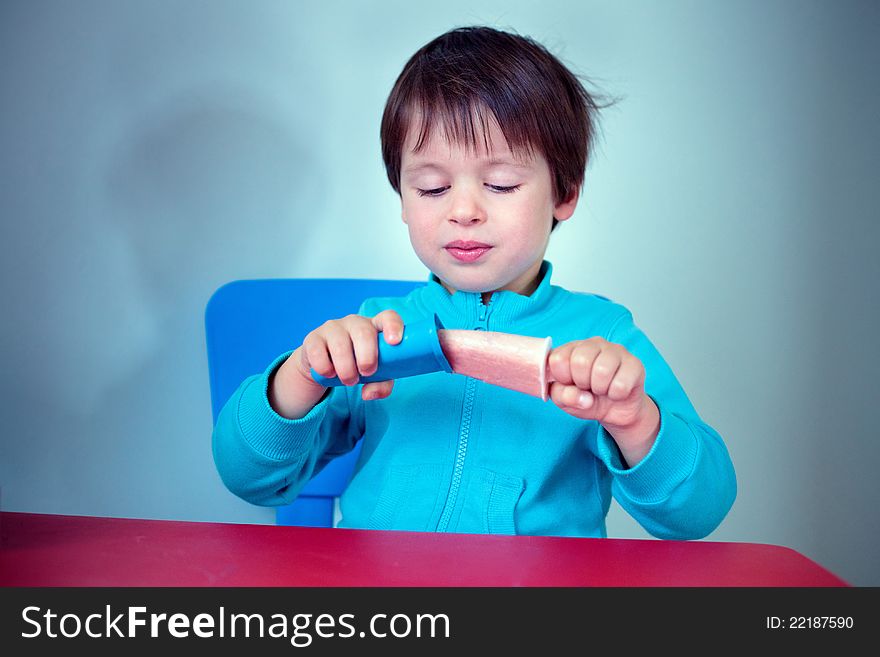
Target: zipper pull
{"points": [[484, 313]]}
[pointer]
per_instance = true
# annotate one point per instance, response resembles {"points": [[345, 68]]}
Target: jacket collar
{"points": [[505, 311]]}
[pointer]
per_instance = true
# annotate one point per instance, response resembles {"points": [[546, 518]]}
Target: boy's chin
{"points": [[474, 281], [467, 286]]}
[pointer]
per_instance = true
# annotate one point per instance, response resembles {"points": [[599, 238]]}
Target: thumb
{"points": [[573, 400], [377, 390]]}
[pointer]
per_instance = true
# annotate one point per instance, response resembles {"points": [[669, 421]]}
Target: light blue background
{"points": [[155, 150]]}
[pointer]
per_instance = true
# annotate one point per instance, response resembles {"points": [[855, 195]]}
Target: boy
{"points": [[485, 137]]}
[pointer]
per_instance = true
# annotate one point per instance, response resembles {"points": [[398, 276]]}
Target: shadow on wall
{"points": [[194, 194], [205, 192]]}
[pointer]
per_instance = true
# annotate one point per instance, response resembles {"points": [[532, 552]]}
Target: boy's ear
{"points": [[565, 209], [402, 210]]}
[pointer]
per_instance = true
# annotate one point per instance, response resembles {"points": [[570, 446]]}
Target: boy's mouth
{"points": [[467, 251]]}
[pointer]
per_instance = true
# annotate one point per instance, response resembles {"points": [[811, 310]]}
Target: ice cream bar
{"points": [[512, 361]]}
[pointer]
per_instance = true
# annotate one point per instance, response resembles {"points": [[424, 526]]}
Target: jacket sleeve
{"points": [[266, 459], [685, 486]]}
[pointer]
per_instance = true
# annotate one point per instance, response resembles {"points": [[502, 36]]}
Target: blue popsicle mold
{"points": [[419, 352]]}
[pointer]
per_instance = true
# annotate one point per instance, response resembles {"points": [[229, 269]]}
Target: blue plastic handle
{"points": [[419, 352]]}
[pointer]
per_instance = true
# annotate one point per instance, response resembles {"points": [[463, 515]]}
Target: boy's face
{"points": [[479, 220]]}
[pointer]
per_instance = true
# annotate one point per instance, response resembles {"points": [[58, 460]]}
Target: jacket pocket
{"points": [[490, 503], [407, 498]]}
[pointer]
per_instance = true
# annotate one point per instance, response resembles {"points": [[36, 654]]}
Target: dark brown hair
{"points": [[457, 78]]}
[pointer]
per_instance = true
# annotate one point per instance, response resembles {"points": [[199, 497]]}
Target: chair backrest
{"points": [[249, 323]]}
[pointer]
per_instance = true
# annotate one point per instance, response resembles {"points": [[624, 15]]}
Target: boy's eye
{"points": [[431, 192], [501, 189]]}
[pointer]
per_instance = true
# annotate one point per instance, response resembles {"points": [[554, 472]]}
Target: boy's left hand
{"points": [[600, 380]]}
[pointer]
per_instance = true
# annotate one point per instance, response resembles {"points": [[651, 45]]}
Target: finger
{"points": [[391, 325], [629, 377], [604, 368], [341, 350], [315, 355], [582, 362], [377, 390], [365, 342], [559, 363]]}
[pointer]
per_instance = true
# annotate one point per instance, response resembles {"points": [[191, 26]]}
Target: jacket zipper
{"points": [[464, 431]]}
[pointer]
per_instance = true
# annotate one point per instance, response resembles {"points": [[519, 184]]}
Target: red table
{"points": [[56, 550]]}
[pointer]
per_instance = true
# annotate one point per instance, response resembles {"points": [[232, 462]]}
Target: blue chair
{"points": [[249, 323]]}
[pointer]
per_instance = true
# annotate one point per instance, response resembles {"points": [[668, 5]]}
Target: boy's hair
{"points": [[471, 74]]}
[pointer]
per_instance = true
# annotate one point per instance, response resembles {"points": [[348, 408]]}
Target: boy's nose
{"points": [[466, 208]]}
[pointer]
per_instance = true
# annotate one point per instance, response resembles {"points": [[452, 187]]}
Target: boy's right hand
{"points": [[347, 348]]}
